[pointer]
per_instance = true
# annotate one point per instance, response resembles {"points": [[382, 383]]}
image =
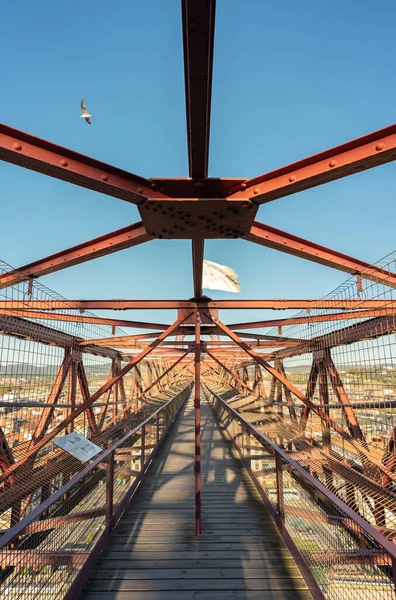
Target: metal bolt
{"points": [[243, 186], [17, 146], [256, 191], [139, 190], [104, 178], [332, 163], [380, 147], [292, 178], [63, 162]]}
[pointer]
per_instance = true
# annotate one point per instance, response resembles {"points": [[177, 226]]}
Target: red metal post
{"points": [[197, 414]]}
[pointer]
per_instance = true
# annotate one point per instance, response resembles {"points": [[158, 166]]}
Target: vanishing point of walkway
{"points": [[154, 554]]}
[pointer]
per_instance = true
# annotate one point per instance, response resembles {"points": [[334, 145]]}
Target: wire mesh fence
{"points": [[339, 553]]}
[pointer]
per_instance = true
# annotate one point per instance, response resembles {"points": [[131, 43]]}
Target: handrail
{"points": [[18, 529], [383, 541]]}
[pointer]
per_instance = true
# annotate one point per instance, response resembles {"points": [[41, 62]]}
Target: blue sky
{"points": [[289, 80]]}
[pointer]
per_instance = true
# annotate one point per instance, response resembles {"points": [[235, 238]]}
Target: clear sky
{"points": [[290, 79]]}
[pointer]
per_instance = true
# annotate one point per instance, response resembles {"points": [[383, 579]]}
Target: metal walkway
{"points": [[154, 554]]}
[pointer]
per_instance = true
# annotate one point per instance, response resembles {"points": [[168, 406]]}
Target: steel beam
{"points": [[291, 244], [274, 304], [100, 246], [80, 318], [39, 155], [21, 328], [357, 155], [197, 261], [308, 318], [366, 330], [198, 21]]}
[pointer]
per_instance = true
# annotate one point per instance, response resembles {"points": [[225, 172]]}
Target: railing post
{"points": [[197, 418], [110, 490], [279, 491], [142, 452]]}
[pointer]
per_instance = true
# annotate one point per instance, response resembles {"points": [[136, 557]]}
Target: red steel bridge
{"points": [[243, 460]]}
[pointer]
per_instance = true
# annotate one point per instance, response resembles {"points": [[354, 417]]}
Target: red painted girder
{"points": [[291, 244], [42, 315], [358, 314], [100, 246], [33, 153], [357, 155], [198, 21], [37, 332], [274, 304], [186, 187], [365, 330], [197, 263]]}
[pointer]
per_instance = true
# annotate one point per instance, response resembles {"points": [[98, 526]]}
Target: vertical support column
{"points": [[197, 413]]}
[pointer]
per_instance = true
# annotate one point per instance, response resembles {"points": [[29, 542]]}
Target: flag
{"points": [[219, 277]]}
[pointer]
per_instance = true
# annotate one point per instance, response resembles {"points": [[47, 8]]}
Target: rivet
{"points": [[160, 205], [155, 209], [256, 191], [153, 186], [292, 178], [63, 162], [245, 204], [332, 163], [201, 217], [379, 147], [139, 190], [17, 146], [171, 232], [146, 206], [104, 178], [160, 236], [215, 213], [198, 184], [164, 212], [164, 230], [243, 186]]}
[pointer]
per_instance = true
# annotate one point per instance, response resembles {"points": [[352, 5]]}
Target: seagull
{"points": [[85, 114]]}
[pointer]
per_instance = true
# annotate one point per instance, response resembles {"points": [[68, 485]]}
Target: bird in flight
{"points": [[85, 114]]}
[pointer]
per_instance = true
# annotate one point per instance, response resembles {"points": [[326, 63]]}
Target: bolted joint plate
{"points": [[206, 218], [205, 319]]}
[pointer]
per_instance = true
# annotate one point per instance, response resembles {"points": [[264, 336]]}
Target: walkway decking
{"points": [[154, 554]]}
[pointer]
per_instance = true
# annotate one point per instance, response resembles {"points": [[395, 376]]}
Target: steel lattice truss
{"points": [[200, 208]]}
